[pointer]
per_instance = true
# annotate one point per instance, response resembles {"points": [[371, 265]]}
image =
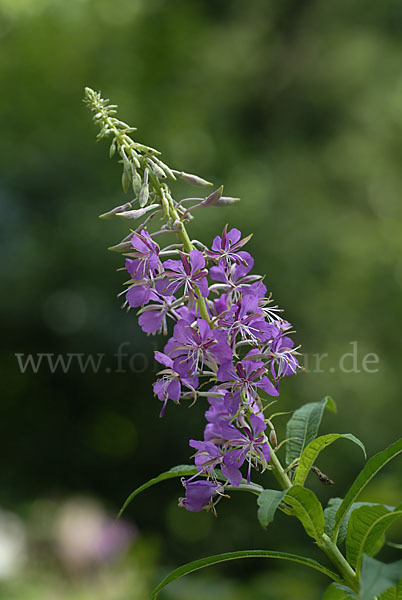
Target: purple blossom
{"points": [[138, 294], [250, 443], [188, 272], [193, 349], [246, 320], [207, 457], [153, 318], [284, 362], [146, 256], [226, 249], [168, 387], [234, 279], [246, 376], [199, 494]]}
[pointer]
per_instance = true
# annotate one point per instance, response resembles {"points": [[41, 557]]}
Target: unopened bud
{"points": [[136, 181], [156, 169], [192, 179], [112, 148], [165, 168], [213, 198], [112, 213], [125, 180], [226, 201], [122, 247], [138, 213], [144, 195], [273, 439]]}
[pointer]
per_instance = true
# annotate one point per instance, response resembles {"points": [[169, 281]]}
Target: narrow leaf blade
{"points": [[307, 509], [179, 471], [371, 468], [303, 426], [313, 449], [196, 565], [366, 531], [268, 501]]}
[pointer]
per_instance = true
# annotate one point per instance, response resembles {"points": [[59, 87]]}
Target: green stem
{"points": [[279, 472], [339, 561], [325, 542]]}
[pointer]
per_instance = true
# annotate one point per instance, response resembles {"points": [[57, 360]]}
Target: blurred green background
{"points": [[296, 106]]}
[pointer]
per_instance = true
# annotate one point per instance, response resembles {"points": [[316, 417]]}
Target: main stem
{"points": [[325, 542]]}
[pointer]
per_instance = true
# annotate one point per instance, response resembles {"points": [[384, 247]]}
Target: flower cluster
{"points": [[229, 344]]}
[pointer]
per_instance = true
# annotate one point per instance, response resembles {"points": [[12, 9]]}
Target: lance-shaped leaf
{"points": [[366, 531], [268, 502], [377, 577], [313, 449], [179, 471], [308, 510], [196, 565], [330, 516], [371, 468], [302, 427], [187, 471]]}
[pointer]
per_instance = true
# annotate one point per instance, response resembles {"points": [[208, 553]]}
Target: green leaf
{"points": [[377, 577], [303, 426], [330, 516], [370, 469], [366, 531], [338, 592], [268, 501], [394, 593], [219, 558], [179, 471], [185, 471], [313, 449], [308, 510]]}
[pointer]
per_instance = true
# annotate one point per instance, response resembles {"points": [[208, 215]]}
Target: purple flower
{"points": [[188, 272], [153, 318], [250, 443], [235, 280], [282, 350], [207, 457], [247, 320], [226, 249], [198, 494], [146, 255], [138, 294], [169, 386], [246, 376], [193, 349]]}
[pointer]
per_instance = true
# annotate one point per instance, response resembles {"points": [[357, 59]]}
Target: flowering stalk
{"points": [[230, 345]]}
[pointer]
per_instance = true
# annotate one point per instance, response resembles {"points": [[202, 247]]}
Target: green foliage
{"points": [[268, 502], [378, 577], [179, 471], [313, 449], [308, 510], [372, 467], [330, 516], [219, 558], [366, 531], [302, 427]]}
